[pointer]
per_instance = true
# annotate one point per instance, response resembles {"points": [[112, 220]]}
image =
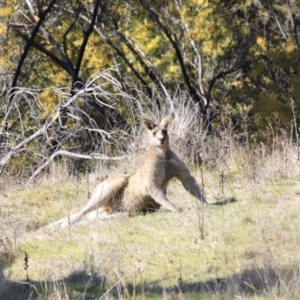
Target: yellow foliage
{"points": [[6, 11], [248, 3], [208, 47], [254, 51], [236, 83], [290, 46], [2, 29], [205, 5], [261, 42], [266, 79], [61, 79], [144, 36], [95, 62], [48, 100], [174, 69], [159, 62], [242, 108], [202, 3], [77, 43], [154, 43], [3, 63], [213, 34]]}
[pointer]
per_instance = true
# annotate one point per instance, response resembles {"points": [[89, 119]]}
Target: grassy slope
{"points": [[254, 236]]}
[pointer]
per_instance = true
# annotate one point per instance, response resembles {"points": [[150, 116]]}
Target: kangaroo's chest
{"points": [[151, 173], [156, 171], [136, 195]]}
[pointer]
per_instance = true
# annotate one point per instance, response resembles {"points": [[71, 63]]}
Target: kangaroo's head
{"points": [[158, 133]]}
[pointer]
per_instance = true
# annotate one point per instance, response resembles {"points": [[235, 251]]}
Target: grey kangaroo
{"points": [[123, 195]]}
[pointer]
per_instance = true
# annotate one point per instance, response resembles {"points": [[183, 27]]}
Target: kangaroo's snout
{"points": [[162, 139]]}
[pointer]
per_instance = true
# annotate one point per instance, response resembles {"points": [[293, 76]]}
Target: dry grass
{"points": [[244, 244]]}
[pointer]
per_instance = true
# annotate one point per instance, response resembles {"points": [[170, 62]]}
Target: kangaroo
{"points": [[144, 191]]}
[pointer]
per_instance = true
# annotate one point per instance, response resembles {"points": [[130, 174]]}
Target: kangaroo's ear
{"points": [[165, 121], [148, 124]]}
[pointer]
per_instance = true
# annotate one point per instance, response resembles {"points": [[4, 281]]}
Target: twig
{"points": [[74, 155]]}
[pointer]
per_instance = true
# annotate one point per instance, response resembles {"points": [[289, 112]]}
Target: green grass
{"points": [[248, 237]]}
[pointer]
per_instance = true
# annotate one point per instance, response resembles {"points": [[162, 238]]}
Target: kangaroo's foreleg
{"points": [[159, 196], [175, 167], [191, 185]]}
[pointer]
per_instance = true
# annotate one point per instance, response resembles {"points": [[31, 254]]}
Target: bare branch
{"points": [[82, 123], [194, 93], [85, 40], [3, 133], [223, 74], [93, 156], [20, 147], [294, 27], [29, 42], [198, 54], [64, 58], [151, 71], [284, 35], [48, 53]]}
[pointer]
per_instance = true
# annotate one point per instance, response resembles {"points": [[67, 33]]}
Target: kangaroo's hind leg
{"points": [[103, 197], [105, 217]]}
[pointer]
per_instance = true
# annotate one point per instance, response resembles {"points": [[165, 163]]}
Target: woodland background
{"points": [[76, 74], [75, 78]]}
